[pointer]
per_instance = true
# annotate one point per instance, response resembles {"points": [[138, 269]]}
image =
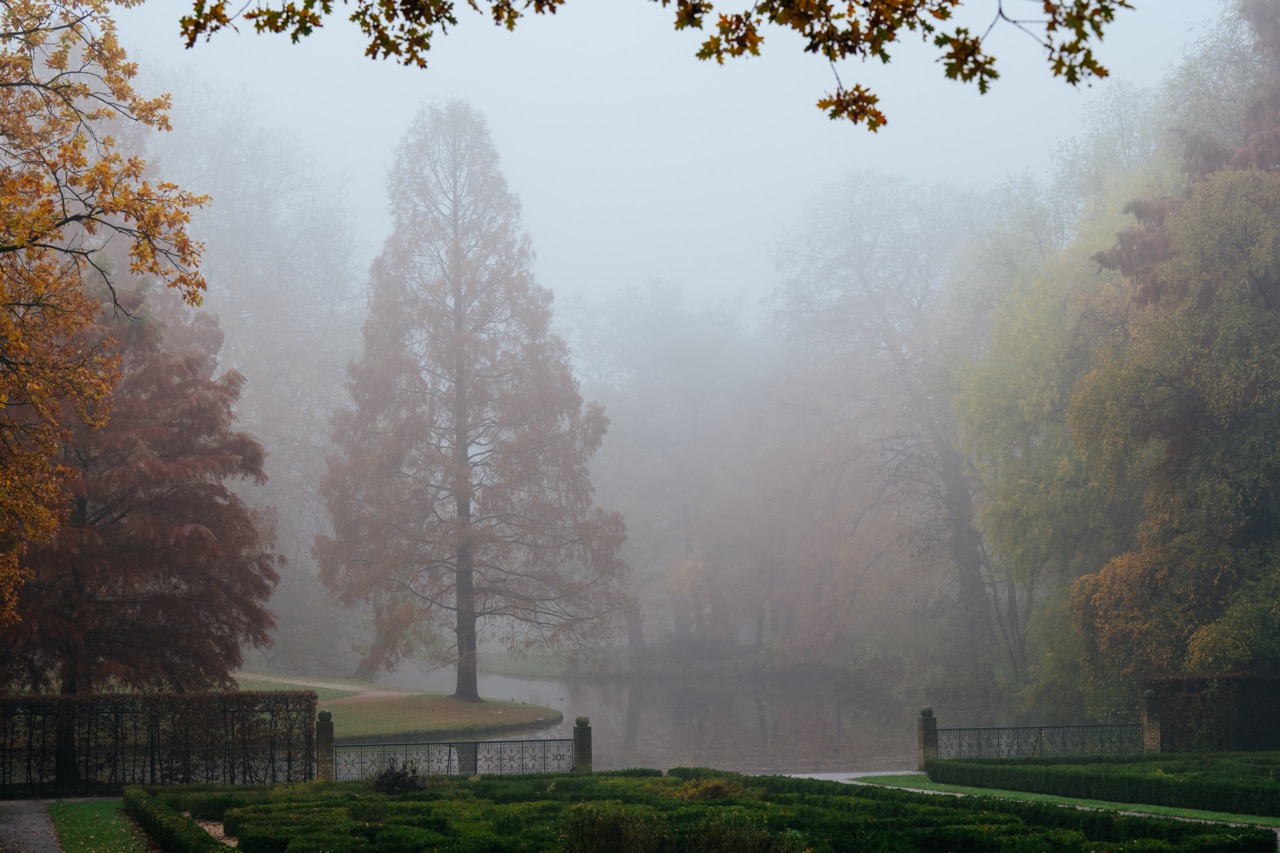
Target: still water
{"points": [[745, 725]]}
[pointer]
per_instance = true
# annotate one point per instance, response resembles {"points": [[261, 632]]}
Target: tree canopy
{"points": [[159, 572], [66, 192], [459, 495], [866, 30], [1185, 404], [1188, 406]]}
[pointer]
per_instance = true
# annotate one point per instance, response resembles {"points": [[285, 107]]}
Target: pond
{"points": [[750, 726]]}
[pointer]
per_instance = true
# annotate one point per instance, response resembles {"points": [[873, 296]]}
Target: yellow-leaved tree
{"points": [[67, 190]]}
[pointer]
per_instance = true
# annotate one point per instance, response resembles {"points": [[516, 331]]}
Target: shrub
{"points": [[398, 778], [407, 839], [711, 788], [735, 830], [687, 773], [611, 827]]}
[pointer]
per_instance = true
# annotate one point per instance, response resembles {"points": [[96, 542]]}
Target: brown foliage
{"points": [[158, 575]]}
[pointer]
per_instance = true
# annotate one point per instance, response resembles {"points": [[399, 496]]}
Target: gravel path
{"points": [[25, 827]]}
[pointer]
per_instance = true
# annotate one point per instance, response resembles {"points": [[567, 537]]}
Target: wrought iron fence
{"points": [[485, 758], [1014, 741]]}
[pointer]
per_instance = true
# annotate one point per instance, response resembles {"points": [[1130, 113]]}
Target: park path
{"points": [[25, 827]]}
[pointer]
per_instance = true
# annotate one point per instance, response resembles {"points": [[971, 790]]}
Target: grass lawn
{"points": [[921, 782], [97, 826], [433, 716], [322, 692], [364, 710]]}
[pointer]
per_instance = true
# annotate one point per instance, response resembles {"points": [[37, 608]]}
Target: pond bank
{"points": [[367, 712]]}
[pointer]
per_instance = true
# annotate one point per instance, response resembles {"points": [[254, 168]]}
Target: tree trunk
{"points": [[965, 548], [65, 771], [635, 636], [467, 688]]}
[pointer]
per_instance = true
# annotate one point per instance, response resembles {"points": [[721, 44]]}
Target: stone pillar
{"points": [[582, 746], [324, 746], [927, 737], [1149, 713], [468, 758]]}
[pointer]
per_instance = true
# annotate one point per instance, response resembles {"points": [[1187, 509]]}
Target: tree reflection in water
{"points": [[751, 726]]}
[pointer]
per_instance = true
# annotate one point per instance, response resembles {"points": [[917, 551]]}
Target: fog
{"points": [[838, 366], [634, 160]]}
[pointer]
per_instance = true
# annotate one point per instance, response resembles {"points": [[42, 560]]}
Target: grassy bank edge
{"points": [[372, 713], [552, 718], [921, 782]]}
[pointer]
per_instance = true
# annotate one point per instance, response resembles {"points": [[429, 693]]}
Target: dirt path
{"points": [[25, 827]]}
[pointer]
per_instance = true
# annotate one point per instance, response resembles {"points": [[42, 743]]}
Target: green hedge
{"points": [[693, 810], [174, 832], [1239, 784]]}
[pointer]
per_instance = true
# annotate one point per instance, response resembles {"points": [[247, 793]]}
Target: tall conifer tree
{"points": [[460, 497]]}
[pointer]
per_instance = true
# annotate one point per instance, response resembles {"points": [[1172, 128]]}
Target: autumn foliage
{"points": [[864, 30], [1186, 405], [459, 496], [66, 192], [159, 573]]}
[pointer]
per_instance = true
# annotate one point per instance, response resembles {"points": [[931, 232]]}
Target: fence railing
{"points": [[360, 761], [1014, 741]]}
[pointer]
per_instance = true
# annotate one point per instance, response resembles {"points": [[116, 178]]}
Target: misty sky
{"points": [[633, 160]]}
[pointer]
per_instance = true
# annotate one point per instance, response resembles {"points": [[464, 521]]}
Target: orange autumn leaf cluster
{"points": [[66, 193], [855, 29]]}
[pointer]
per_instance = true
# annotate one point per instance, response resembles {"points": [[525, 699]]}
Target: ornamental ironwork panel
{"points": [[1015, 741], [468, 758]]}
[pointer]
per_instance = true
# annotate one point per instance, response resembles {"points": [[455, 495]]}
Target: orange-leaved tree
{"points": [[66, 191], [855, 29]]}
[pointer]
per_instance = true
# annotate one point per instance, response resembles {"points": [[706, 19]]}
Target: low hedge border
{"points": [[1114, 781], [173, 831]]}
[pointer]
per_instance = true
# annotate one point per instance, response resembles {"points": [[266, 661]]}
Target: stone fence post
{"points": [[324, 746], [927, 736], [582, 746], [1149, 714]]}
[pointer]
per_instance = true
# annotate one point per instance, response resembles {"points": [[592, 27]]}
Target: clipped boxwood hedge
{"points": [[173, 831], [1239, 784], [693, 810]]}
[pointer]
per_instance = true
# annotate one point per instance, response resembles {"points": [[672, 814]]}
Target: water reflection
{"points": [[748, 726]]}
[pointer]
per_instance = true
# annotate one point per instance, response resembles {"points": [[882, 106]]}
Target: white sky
{"points": [[634, 160]]}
